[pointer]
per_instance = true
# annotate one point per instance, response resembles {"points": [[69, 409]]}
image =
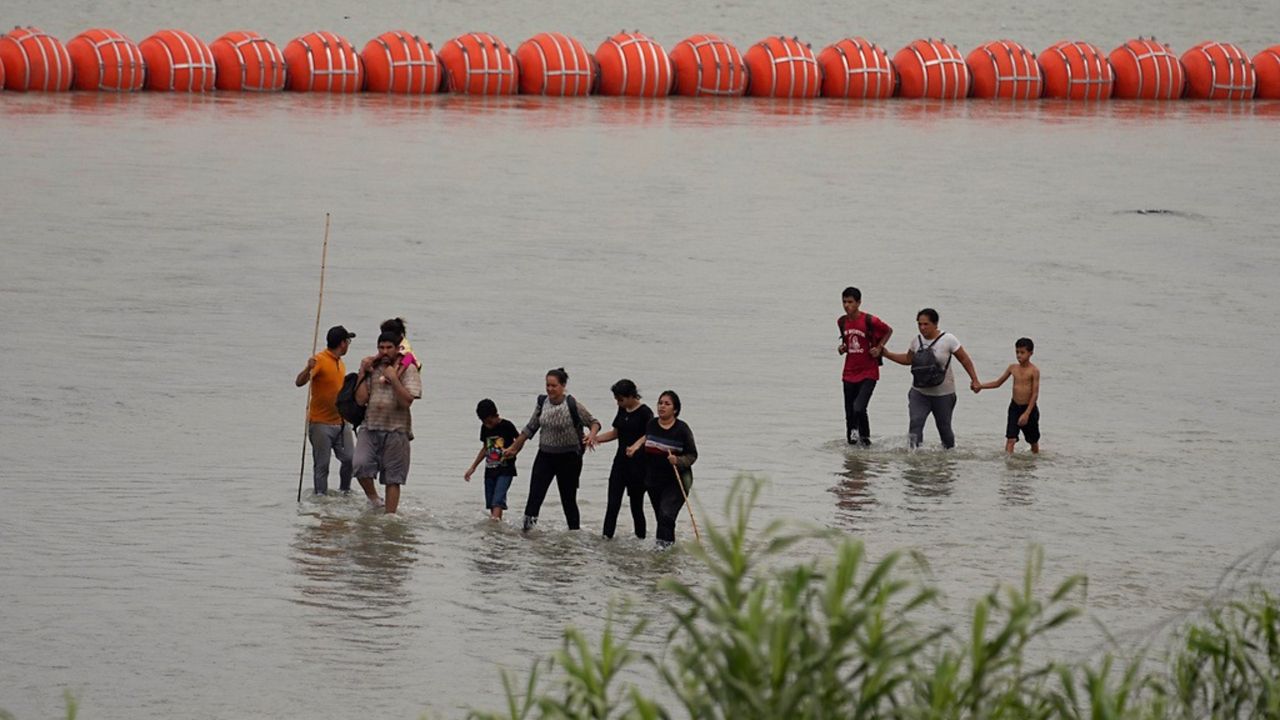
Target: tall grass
{"points": [[845, 637]]}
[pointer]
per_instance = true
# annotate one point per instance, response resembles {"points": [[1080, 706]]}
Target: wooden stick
{"points": [[685, 495], [315, 342]]}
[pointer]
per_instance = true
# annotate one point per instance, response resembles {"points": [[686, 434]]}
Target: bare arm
{"points": [[902, 358], [516, 446], [878, 350], [607, 436], [474, 464], [635, 446], [997, 383], [963, 356], [304, 377], [1035, 392]]}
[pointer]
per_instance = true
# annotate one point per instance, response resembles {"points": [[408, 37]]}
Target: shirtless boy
{"points": [[1024, 414]]}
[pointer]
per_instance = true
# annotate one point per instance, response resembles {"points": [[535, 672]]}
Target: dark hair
{"points": [[559, 374], [851, 292], [1025, 343], [675, 400], [929, 313], [394, 325], [486, 409], [390, 337], [625, 388]]}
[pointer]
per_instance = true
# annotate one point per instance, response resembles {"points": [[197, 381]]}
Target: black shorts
{"points": [[1030, 431]]}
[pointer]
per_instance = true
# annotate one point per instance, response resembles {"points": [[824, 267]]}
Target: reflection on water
{"points": [[351, 574], [1017, 486], [854, 498], [929, 473]]}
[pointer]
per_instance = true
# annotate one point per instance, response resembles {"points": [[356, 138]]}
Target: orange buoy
{"points": [[398, 62], [106, 60], [1146, 70], [931, 69], [178, 61], [246, 61], [555, 64], [1006, 70], [782, 67], [856, 68], [323, 62], [1266, 67], [633, 64], [707, 65], [1076, 71], [479, 64], [1218, 71], [34, 60]]}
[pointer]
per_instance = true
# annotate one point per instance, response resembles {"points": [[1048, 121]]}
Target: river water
{"points": [[159, 281]]}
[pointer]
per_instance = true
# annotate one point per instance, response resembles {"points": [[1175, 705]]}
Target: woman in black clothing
{"points": [[627, 473], [669, 450]]}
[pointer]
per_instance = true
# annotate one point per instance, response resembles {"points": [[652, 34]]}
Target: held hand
{"points": [[874, 351], [389, 374], [591, 441], [311, 363], [842, 348], [367, 363], [509, 453], [631, 451], [975, 386], [671, 457]]}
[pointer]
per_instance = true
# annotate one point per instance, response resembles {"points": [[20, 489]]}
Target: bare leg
{"points": [[393, 499], [370, 490], [497, 513], [1035, 447], [1008, 445]]}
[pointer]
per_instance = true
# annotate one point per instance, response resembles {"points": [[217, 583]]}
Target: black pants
{"points": [[566, 468], [667, 500], [626, 477], [856, 398]]}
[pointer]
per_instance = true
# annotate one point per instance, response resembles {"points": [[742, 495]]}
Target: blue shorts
{"points": [[495, 491]]}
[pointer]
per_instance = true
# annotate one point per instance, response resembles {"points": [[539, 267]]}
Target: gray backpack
{"points": [[925, 371]]}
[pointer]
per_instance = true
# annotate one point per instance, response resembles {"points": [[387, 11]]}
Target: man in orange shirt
{"points": [[325, 428]]}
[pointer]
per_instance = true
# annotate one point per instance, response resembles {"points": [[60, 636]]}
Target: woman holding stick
{"points": [[669, 455]]}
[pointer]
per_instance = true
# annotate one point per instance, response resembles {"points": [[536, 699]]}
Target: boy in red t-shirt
{"points": [[862, 339]]}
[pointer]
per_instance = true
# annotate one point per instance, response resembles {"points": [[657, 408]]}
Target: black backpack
{"points": [[870, 343], [925, 371], [573, 414], [348, 408]]}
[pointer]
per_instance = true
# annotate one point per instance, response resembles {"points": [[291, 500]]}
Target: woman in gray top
{"points": [[562, 419], [933, 381]]}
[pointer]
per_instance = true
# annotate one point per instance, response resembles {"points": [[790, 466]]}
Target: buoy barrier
{"points": [[1266, 67], [635, 65], [708, 65], [246, 61], [323, 62], [402, 63], [1146, 70], [782, 67], [931, 69], [479, 64], [555, 64], [1076, 71], [34, 60], [1005, 70], [105, 60], [1218, 71], [856, 68], [178, 61]]}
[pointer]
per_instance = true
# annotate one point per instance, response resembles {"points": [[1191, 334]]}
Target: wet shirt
{"points": [[326, 381], [944, 347], [858, 363], [631, 427], [559, 433], [385, 411], [658, 441], [496, 439]]}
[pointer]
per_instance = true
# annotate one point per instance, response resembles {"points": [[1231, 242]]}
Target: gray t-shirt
{"points": [[944, 346]]}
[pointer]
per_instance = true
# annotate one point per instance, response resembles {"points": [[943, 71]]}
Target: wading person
{"points": [[387, 387], [862, 339], [496, 435], [626, 476], [1024, 407], [933, 382], [562, 419], [669, 450], [325, 428]]}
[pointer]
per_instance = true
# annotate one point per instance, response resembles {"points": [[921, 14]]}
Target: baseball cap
{"points": [[337, 334]]}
